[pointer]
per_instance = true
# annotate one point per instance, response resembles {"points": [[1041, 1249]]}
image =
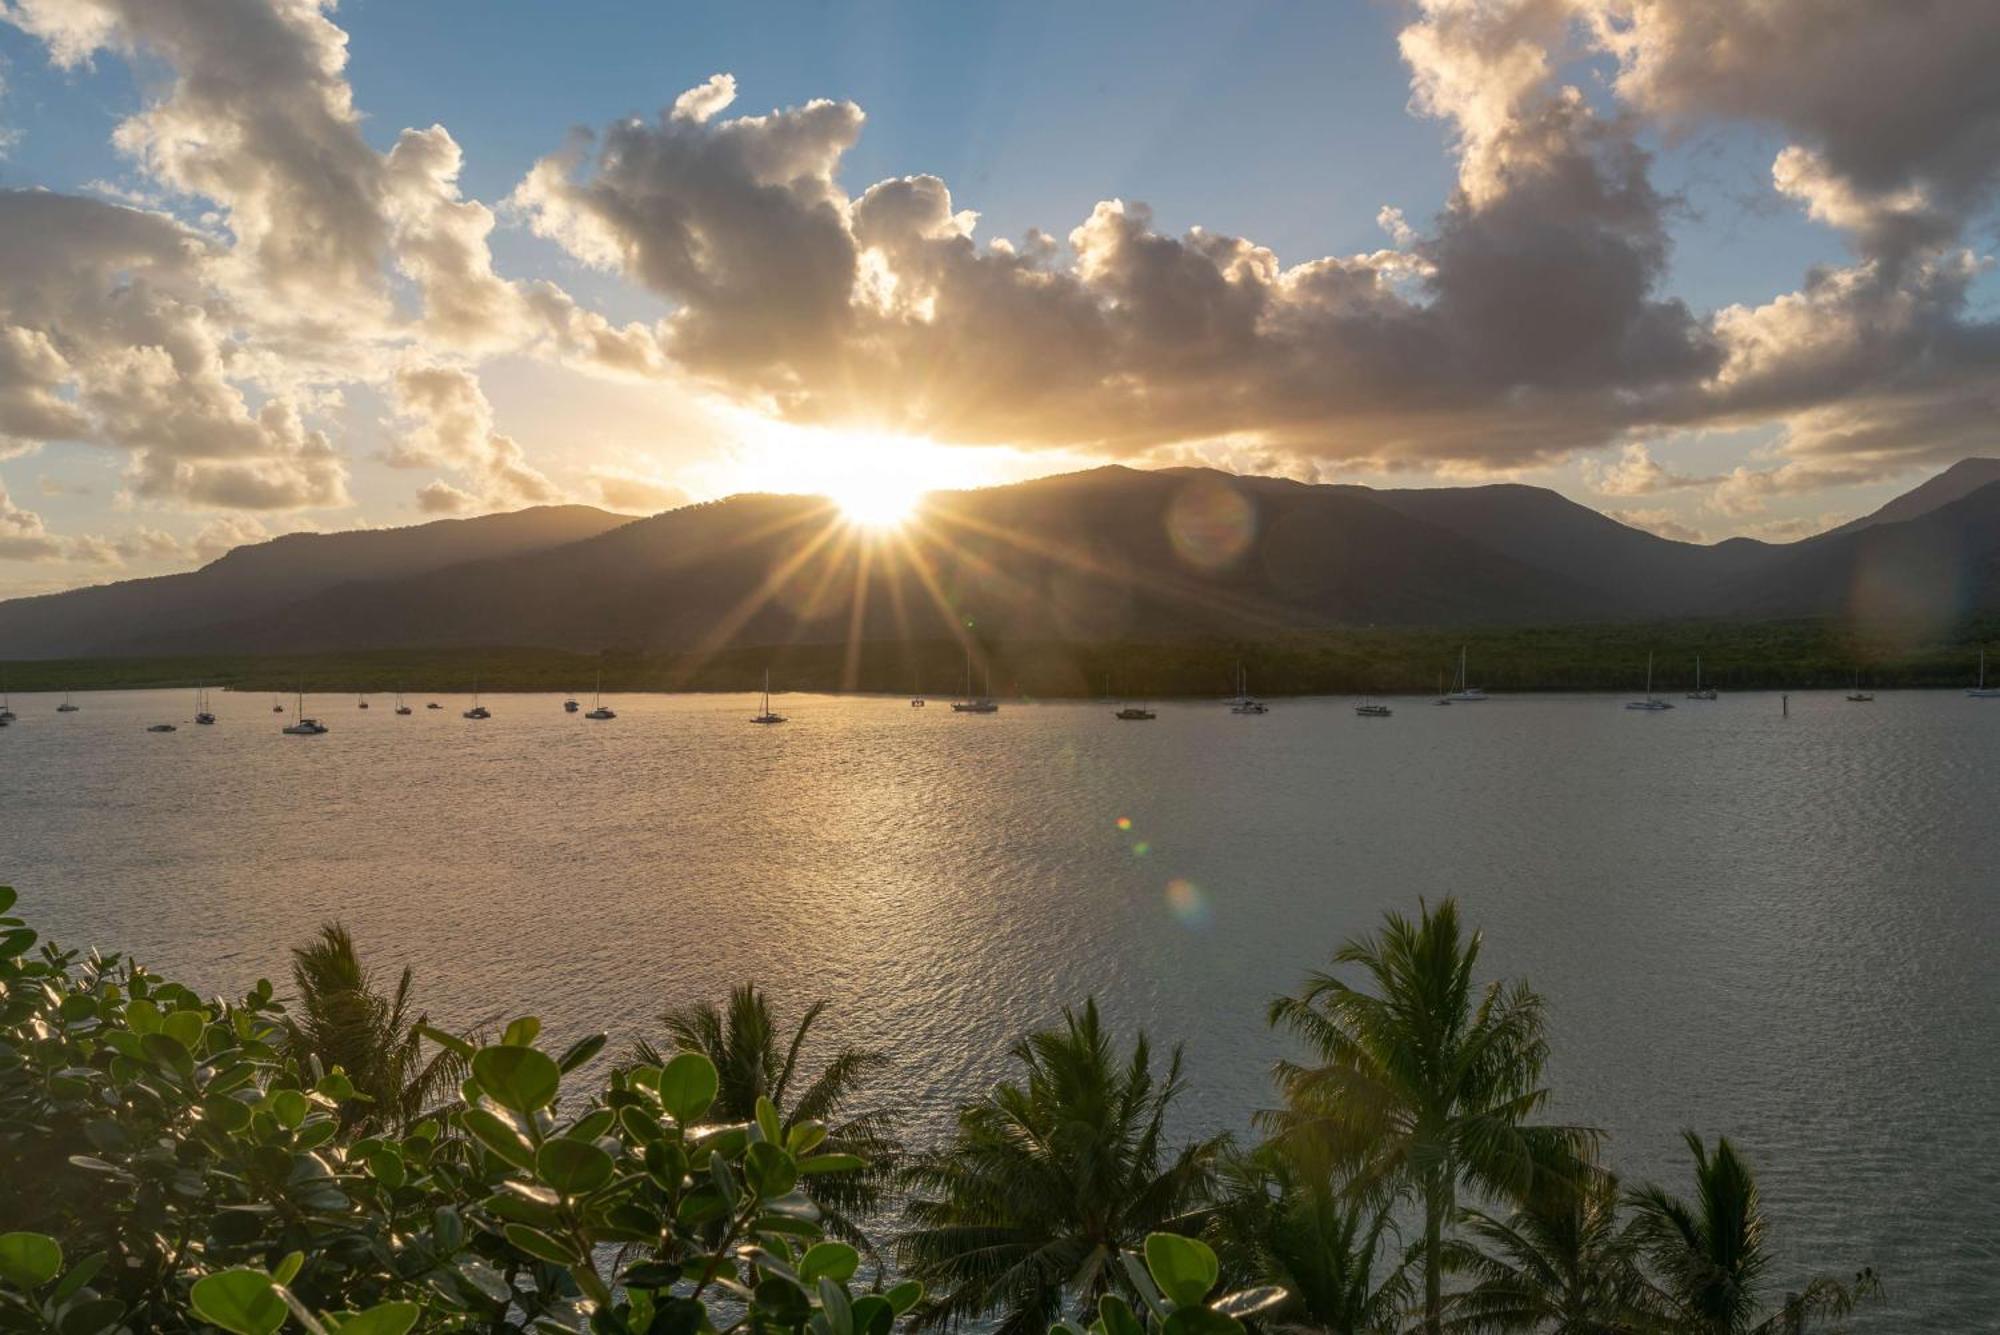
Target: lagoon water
{"points": [[1780, 929]]}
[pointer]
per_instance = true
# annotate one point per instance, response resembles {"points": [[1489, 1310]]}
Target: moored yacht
{"points": [[600, 711], [67, 707], [975, 704], [478, 710], [1373, 709], [1982, 691], [401, 708], [303, 727], [1244, 702], [766, 715], [1700, 692], [201, 712], [1857, 696], [1464, 693], [1651, 703]]}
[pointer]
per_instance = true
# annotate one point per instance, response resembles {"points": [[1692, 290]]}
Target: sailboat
{"points": [[478, 710], [201, 714], [7, 714], [304, 727], [1652, 702], [1373, 709], [1857, 695], [277, 704], [1982, 691], [916, 690], [402, 708], [360, 700], [1700, 692], [598, 700], [766, 716], [975, 704], [66, 707], [1243, 702], [1464, 694], [1442, 699]]}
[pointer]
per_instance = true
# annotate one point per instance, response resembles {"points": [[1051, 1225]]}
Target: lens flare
{"points": [[1124, 822], [1187, 903]]}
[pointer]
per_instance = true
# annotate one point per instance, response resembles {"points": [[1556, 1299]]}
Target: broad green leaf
{"points": [[242, 1301], [15, 941], [1184, 1268], [142, 1017], [492, 1131], [381, 1319], [290, 1108], [1117, 1317], [906, 1295], [769, 1170], [832, 1163], [520, 1079], [7, 897], [539, 1244], [873, 1315], [830, 1260], [580, 1052], [91, 1317], [29, 1260], [186, 1026], [687, 1087], [768, 1122], [288, 1269], [573, 1167], [451, 1043], [521, 1033], [1199, 1320]]}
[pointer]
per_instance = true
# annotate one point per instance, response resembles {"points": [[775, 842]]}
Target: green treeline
{"points": [[1784, 655], [327, 1160]]}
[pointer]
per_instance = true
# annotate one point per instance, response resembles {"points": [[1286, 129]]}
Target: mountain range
{"points": [[1108, 554]]}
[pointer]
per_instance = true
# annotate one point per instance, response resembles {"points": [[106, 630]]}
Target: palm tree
{"points": [[1709, 1256], [1046, 1181], [1278, 1223], [341, 1019], [752, 1063], [1564, 1263], [1424, 1083]]}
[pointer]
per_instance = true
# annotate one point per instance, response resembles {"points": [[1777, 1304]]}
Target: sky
{"points": [[1715, 269]]}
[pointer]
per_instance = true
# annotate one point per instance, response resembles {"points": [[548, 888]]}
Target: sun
{"points": [[876, 502]]}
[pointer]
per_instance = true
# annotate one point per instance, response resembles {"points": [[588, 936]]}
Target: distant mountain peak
{"points": [[1954, 483]]}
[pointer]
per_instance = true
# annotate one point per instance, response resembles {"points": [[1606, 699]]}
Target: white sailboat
{"points": [[67, 707], [597, 701], [1858, 696], [7, 714], [765, 715], [305, 727], [1464, 693], [1982, 691], [1651, 703], [1244, 702], [975, 704], [1700, 692]]}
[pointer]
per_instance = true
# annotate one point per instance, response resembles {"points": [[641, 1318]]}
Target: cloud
{"points": [[1660, 523], [1637, 473], [23, 536], [448, 423], [637, 495]]}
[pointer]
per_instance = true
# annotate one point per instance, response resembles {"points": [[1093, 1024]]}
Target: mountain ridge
{"points": [[1107, 553]]}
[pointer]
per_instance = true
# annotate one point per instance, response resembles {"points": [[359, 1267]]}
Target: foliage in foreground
{"points": [[330, 1162]]}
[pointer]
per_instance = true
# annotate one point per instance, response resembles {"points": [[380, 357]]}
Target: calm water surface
{"points": [[1779, 929]]}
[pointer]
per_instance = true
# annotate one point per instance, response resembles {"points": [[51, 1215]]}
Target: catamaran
{"points": [[1373, 709], [766, 716], [201, 714], [975, 704], [1982, 691], [1651, 702], [305, 727], [1243, 702], [1463, 693], [599, 711], [1700, 692]]}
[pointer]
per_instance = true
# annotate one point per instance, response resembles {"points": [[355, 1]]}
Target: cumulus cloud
{"points": [[1660, 523], [1635, 472], [448, 423], [23, 536]]}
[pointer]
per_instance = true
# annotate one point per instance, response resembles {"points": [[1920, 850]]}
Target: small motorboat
{"points": [[1135, 713], [162, 727], [571, 706], [1373, 710], [433, 705]]}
